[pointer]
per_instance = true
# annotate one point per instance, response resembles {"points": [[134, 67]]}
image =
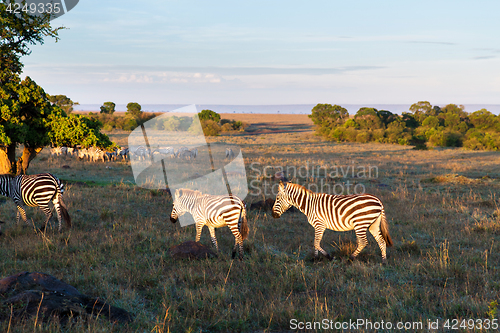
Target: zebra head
{"points": [[282, 203], [179, 208]]}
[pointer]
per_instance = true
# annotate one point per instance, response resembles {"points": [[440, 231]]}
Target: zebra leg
{"points": [[318, 236], [199, 227], [48, 213], [238, 240], [377, 234], [212, 236], [361, 240], [21, 213], [58, 211]]}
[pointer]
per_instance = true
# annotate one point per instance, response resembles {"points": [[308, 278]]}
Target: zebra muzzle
{"points": [[172, 219], [276, 215]]}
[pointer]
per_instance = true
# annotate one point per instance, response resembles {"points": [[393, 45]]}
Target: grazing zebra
{"points": [[337, 212], [55, 151], [141, 153], [123, 153], [83, 153], [36, 190], [188, 154], [229, 153], [96, 154], [71, 151], [214, 211], [111, 156]]}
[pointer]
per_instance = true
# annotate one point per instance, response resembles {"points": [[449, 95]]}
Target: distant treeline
{"points": [[424, 125], [211, 121]]}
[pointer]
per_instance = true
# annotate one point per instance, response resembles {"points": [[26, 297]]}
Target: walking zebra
{"points": [[214, 211], [36, 190], [337, 212]]}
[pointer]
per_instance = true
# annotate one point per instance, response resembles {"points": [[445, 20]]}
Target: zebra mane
{"points": [[186, 191], [298, 186]]}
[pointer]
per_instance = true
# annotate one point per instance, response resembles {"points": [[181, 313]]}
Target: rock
{"points": [[266, 205], [191, 250], [40, 294]]}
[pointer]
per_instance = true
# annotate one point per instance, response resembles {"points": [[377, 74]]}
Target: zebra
{"points": [[97, 154], [71, 151], [337, 212], [141, 153], [188, 154], [55, 151], [214, 211], [83, 153], [123, 153], [111, 155], [229, 153], [36, 190]]}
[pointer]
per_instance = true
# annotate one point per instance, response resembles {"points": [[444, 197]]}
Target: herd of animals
{"points": [[361, 213], [95, 154]]}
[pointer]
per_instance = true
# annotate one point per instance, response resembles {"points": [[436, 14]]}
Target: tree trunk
{"points": [[8, 159], [24, 160]]}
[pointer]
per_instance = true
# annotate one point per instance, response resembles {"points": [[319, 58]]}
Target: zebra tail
{"points": [[243, 223], [64, 212], [384, 229]]}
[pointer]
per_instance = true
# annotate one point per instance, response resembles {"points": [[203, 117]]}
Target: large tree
{"points": [[327, 116], [27, 117], [134, 109]]}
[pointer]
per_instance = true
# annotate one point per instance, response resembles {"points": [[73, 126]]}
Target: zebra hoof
{"points": [[234, 254]]}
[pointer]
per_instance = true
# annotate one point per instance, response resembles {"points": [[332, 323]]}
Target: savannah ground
{"points": [[442, 206]]}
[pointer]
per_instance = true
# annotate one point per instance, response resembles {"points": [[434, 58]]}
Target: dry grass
{"points": [[441, 204]]}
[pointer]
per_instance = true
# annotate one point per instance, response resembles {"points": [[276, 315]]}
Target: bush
{"points": [[363, 136], [210, 127]]}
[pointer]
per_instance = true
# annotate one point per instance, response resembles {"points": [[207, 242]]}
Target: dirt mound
{"points": [[42, 295], [191, 250]]}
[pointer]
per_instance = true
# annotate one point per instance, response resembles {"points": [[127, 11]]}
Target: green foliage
{"points": [[484, 120], [134, 109], [232, 125], [368, 118], [210, 127], [449, 126], [71, 130], [17, 32], [327, 116], [209, 115], [108, 107], [62, 101]]}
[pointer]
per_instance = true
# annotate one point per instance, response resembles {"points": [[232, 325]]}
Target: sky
{"points": [[273, 52]]}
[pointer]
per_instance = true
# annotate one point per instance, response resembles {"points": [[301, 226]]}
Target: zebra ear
{"points": [[177, 193]]}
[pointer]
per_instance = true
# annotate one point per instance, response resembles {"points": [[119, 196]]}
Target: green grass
{"points": [[444, 263]]}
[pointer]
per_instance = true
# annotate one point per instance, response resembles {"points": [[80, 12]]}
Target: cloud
{"points": [[484, 57], [430, 42]]}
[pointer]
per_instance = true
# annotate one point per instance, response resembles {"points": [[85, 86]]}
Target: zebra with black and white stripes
{"points": [[36, 190], [214, 211], [337, 212]]}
